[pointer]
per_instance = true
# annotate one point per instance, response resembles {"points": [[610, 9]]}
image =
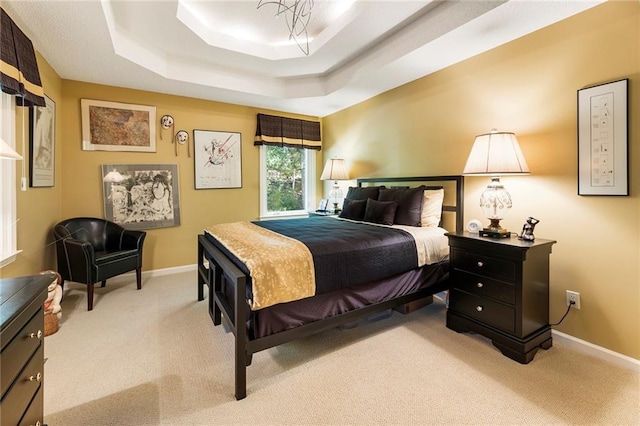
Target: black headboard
{"points": [[452, 203]]}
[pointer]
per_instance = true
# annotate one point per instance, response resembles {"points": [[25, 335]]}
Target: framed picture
{"points": [[42, 144], [141, 196], [218, 159], [322, 205], [603, 143], [112, 126]]}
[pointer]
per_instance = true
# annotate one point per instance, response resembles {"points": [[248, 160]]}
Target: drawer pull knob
{"points": [[480, 264], [479, 308], [37, 335], [479, 285], [38, 423], [35, 378]]}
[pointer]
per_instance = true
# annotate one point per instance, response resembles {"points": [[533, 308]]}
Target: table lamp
{"points": [[335, 169], [495, 154]]}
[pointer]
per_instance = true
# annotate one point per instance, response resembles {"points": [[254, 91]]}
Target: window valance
{"points": [[290, 132], [19, 73]]}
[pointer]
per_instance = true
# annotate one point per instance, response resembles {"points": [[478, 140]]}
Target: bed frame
{"points": [[214, 267]]}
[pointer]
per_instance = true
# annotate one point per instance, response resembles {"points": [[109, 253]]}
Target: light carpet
{"points": [[152, 356]]}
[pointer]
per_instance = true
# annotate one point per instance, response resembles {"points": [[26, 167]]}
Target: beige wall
{"points": [[38, 209], [529, 87], [173, 246]]}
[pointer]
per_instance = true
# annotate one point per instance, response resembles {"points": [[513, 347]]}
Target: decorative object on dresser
{"points": [[495, 154], [500, 289], [527, 229], [22, 341], [603, 139], [90, 250], [335, 170]]}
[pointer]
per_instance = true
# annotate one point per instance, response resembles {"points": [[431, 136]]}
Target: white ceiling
{"points": [[232, 51]]}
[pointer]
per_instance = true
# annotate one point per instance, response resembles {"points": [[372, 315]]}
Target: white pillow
{"points": [[432, 207]]}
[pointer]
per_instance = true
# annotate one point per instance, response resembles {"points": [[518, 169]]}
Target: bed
{"points": [[373, 258]]}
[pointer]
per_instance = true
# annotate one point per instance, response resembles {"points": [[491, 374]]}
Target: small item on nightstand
{"points": [[527, 229]]}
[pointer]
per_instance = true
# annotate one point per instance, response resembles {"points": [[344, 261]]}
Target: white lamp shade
{"points": [[335, 169], [496, 153], [7, 152]]}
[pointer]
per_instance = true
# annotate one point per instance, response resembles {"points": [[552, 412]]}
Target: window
{"points": [[8, 246], [287, 180]]}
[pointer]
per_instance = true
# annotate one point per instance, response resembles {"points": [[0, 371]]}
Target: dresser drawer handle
{"points": [[479, 308], [479, 285], [480, 264], [38, 423], [35, 378], [36, 335]]}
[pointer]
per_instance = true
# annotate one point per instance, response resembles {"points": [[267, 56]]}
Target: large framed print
{"points": [[42, 144], [603, 139], [218, 159], [113, 126], [141, 196]]}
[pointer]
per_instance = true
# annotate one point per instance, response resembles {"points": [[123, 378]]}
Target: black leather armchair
{"points": [[91, 250]]}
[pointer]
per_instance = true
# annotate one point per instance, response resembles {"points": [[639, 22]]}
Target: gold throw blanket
{"points": [[281, 268]]}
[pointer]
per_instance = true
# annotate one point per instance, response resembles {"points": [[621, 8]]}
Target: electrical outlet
{"points": [[573, 296]]}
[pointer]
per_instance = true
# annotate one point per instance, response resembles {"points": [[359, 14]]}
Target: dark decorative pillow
{"points": [[409, 204], [380, 211], [363, 193], [353, 209]]}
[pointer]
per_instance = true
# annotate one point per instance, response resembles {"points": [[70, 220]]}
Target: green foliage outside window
{"points": [[285, 178]]}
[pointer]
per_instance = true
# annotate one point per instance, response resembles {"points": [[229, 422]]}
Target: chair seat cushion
{"points": [[104, 257]]}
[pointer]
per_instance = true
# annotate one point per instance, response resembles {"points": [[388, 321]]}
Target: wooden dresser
{"points": [[22, 355], [500, 289]]}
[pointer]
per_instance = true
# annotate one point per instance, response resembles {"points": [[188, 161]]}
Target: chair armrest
{"points": [[132, 239], [80, 258]]}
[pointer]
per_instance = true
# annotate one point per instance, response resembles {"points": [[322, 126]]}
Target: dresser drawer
{"points": [[483, 265], [33, 416], [485, 310], [485, 287], [17, 352], [17, 399]]}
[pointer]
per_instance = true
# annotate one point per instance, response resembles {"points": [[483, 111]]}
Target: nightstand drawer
{"points": [[485, 287], [485, 310], [483, 265]]}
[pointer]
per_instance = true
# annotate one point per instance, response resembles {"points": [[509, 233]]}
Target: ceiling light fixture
{"points": [[297, 14]]}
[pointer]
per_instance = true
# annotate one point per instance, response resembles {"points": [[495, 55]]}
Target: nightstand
{"points": [[500, 289]]}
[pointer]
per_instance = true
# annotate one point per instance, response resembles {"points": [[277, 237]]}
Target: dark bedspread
{"points": [[349, 253]]}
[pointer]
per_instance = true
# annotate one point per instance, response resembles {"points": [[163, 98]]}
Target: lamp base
{"points": [[494, 230], [495, 233]]}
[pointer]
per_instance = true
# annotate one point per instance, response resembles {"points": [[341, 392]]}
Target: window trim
{"points": [[310, 187], [8, 203]]}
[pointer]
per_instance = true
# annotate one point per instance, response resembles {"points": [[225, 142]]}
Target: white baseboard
{"points": [[169, 271], [597, 351]]}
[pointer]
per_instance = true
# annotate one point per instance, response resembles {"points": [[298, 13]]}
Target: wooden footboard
{"points": [[214, 268]]}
